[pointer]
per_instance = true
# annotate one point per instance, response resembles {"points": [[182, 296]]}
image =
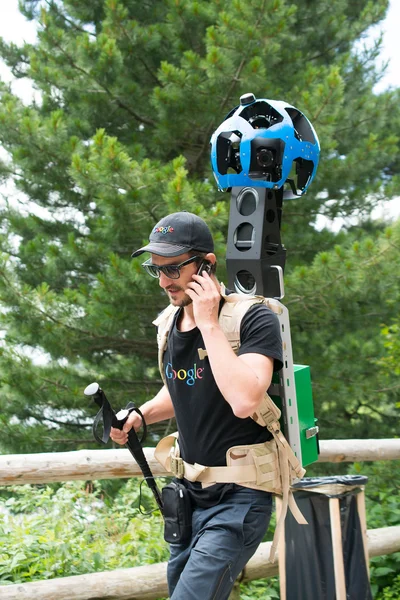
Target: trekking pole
{"points": [[134, 445]]}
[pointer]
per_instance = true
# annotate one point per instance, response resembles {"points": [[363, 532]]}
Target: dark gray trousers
{"points": [[224, 538]]}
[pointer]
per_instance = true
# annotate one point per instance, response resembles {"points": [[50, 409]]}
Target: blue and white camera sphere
{"points": [[265, 143]]}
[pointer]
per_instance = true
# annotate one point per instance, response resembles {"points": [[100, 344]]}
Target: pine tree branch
{"points": [[114, 98], [385, 105], [42, 151], [378, 412], [147, 68], [115, 187], [55, 384], [337, 46], [209, 130], [323, 105], [69, 441], [119, 342], [186, 32], [235, 80], [53, 6], [335, 281], [387, 389], [150, 72], [134, 382], [42, 419]]}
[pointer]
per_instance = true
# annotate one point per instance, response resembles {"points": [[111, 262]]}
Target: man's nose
{"points": [[163, 280]]}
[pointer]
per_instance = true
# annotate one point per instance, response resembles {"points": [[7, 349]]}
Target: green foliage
{"points": [[75, 528], [391, 592], [120, 137], [338, 306], [383, 510], [260, 589], [390, 363], [47, 532], [382, 492]]}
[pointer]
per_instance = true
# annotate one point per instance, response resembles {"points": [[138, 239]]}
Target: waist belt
{"points": [[265, 466]]}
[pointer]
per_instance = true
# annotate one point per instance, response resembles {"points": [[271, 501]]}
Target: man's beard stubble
{"points": [[186, 300]]}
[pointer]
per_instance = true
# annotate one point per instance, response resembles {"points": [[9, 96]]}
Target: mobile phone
{"points": [[205, 266]]}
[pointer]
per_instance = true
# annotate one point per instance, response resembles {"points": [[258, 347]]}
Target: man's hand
{"points": [[206, 298], [121, 436]]}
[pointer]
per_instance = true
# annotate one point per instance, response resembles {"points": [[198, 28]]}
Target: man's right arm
{"points": [[159, 408]]}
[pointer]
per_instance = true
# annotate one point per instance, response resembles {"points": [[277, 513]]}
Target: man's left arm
{"points": [[243, 379]]}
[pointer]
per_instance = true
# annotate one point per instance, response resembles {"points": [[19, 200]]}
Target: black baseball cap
{"points": [[178, 233]]}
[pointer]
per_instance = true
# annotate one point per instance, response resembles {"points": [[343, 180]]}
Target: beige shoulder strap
{"points": [[234, 309], [232, 313], [163, 323]]}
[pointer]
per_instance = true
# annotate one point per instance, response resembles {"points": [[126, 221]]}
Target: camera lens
{"points": [[245, 282], [265, 158]]}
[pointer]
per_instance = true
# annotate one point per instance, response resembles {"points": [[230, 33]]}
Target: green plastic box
{"points": [[298, 424]]}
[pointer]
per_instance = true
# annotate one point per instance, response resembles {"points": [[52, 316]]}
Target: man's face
{"points": [[175, 288]]}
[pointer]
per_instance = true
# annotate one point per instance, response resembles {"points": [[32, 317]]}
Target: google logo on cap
{"points": [[163, 230]]}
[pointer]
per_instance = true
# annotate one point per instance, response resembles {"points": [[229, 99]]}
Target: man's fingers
{"points": [[195, 285], [204, 280], [134, 420], [120, 441], [127, 427], [201, 281], [118, 436]]}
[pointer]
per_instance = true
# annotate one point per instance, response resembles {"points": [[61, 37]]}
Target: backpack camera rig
{"points": [[261, 146]]}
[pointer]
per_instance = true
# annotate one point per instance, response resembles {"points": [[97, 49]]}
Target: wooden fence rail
{"points": [[149, 582], [118, 463]]}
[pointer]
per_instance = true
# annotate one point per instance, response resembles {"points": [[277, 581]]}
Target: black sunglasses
{"points": [[170, 271]]}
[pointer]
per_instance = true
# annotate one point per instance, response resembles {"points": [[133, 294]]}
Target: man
{"points": [[212, 392]]}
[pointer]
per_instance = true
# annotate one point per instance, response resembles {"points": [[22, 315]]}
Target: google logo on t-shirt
{"points": [[189, 376]]}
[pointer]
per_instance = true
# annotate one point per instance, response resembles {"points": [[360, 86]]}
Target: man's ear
{"points": [[210, 257]]}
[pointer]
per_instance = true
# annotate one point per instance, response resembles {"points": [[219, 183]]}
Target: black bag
{"points": [[177, 513]]}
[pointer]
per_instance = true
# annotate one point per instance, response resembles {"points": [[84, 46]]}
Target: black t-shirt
{"points": [[206, 423]]}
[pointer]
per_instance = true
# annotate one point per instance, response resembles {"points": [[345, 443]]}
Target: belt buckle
{"points": [[177, 466]]}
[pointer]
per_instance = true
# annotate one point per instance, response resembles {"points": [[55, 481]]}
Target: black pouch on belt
{"points": [[177, 513]]}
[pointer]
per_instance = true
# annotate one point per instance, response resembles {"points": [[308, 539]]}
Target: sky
{"points": [[15, 28]]}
